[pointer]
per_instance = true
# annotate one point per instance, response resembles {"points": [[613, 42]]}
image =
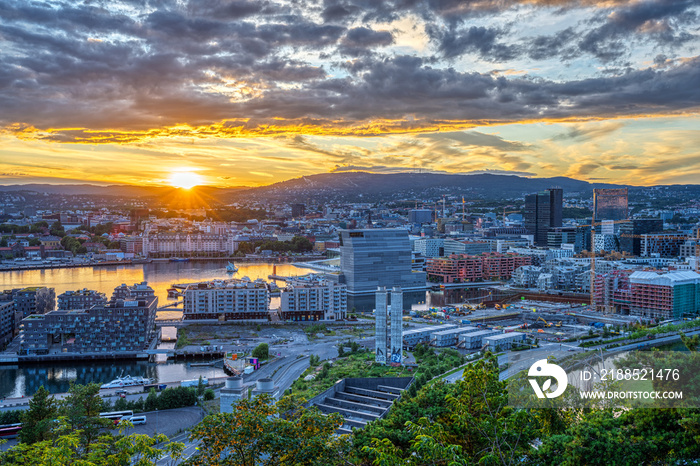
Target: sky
{"points": [[248, 93]]}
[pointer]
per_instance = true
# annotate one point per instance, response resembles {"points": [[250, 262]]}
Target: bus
{"points": [[9, 431], [116, 415]]}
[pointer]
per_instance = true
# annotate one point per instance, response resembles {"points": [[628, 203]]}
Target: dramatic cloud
{"points": [[142, 73]]}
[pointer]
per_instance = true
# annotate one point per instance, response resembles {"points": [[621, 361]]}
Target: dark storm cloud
{"points": [[479, 40], [361, 41], [238, 67]]}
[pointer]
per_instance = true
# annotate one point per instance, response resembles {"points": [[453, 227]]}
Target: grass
{"points": [[355, 365], [182, 340]]}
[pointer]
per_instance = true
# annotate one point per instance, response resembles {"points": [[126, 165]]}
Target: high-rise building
{"points": [[377, 258], [543, 211], [610, 204], [298, 210], [396, 325], [380, 327], [420, 216], [631, 231]]}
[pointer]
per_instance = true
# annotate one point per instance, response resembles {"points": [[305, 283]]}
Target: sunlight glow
{"points": [[185, 180]]}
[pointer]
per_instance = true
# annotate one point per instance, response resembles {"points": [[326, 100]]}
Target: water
{"points": [[56, 377], [18, 381], [159, 275]]}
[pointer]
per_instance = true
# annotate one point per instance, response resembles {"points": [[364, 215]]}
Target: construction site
{"points": [[477, 327]]}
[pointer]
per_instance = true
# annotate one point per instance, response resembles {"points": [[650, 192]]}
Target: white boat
{"points": [[231, 268], [126, 381]]}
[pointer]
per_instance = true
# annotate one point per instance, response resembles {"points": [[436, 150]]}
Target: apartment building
{"points": [[314, 299], [227, 300], [81, 299], [119, 326], [663, 296], [463, 268]]}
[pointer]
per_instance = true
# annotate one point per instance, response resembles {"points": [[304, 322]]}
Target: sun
{"points": [[185, 180]]}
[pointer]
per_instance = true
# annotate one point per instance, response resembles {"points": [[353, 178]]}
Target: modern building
{"points": [[81, 299], [449, 337], [610, 204], [473, 248], [672, 295], [380, 325], [690, 248], [420, 216], [119, 326], [227, 300], [559, 235], [662, 244], [413, 337], [463, 268], [298, 210], [631, 231], [377, 258], [34, 300], [475, 340], [430, 247], [543, 211], [136, 291], [7, 321], [612, 291], [396, 325], [503, 342], [313, 299]]}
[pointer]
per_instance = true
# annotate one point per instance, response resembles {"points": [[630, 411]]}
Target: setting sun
{"points": [[185, 180]]}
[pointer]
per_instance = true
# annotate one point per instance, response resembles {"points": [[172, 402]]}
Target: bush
{"points": [[262, 351], [208, 394]]}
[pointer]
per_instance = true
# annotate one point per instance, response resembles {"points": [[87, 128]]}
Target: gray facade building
{"points": [[542, 212], [610, 204], [7, 321], [81, 299], [420, 216], [34, 300], [119, 326], [377, 258], [396, 325], [380, 325]]}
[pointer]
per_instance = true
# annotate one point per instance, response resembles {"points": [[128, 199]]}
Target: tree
{"points": [[208, 394], [259, 433], [200, 386], [38, 421], [151, 403], [341, 350], [82, 409], [133, 449], [262, 351], [233, 438]]}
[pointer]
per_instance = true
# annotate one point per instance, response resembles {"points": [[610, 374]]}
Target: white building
{"points": [[429, 247], [313, 299], [228, 300]]}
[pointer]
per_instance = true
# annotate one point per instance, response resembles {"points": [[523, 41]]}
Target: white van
{"points": [[135, 419], [138, 419]]}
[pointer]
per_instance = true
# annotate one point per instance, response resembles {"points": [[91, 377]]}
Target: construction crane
{"points": [[592, 251]]}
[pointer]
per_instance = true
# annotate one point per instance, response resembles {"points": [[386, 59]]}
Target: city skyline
{"points": [[248, 93]]}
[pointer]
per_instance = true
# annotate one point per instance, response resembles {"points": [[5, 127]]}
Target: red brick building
{"points": [[460, 268]]}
